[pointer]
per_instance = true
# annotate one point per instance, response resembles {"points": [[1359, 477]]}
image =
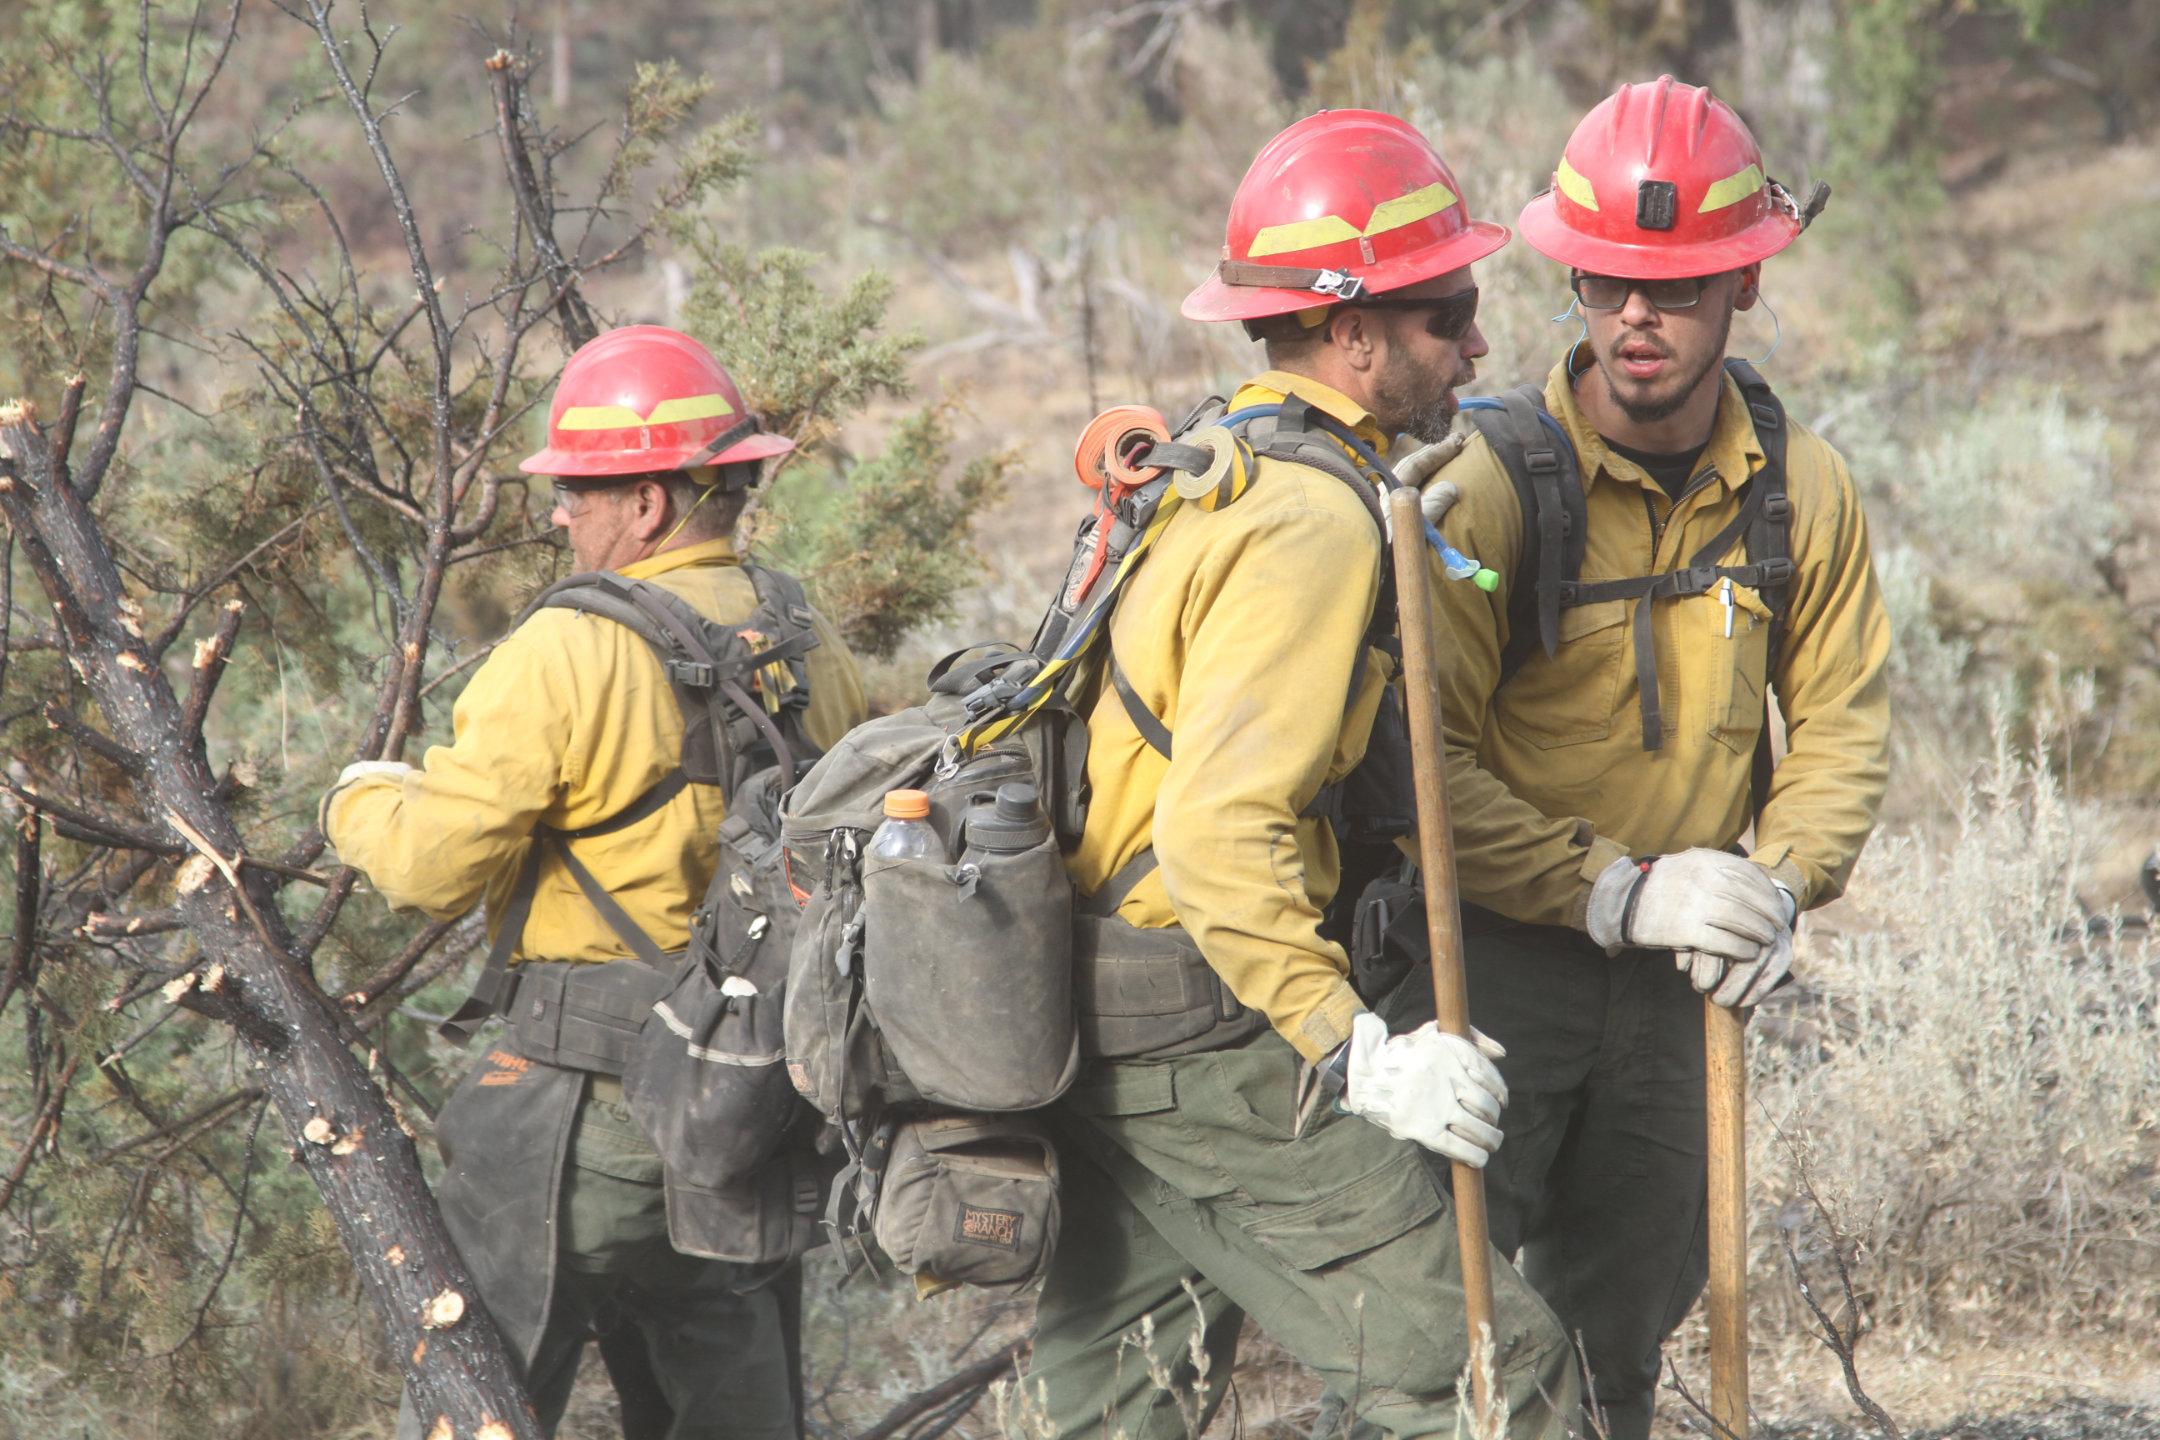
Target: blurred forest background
{"points": [[933, 237]]}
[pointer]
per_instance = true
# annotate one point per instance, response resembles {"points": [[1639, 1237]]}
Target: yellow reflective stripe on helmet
{"points": [[667, 412], [1388, 215], [690, 407], [1731, 190], [599, 417], [1302, 235], [1409, 209], [1574, 186]]}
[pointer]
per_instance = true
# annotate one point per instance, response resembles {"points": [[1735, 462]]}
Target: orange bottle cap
{"points": [[907, 805]]}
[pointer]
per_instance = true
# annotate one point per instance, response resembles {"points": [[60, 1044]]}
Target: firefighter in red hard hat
{"points": [[1676, 554], [1208, 1170], [569, 747]]}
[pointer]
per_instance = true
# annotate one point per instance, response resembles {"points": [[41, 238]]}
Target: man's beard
{"points": [[1424, 417], [1651, 411]]}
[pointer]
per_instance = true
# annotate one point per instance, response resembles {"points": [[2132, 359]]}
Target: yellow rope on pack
{"points": [[1079, 645]]}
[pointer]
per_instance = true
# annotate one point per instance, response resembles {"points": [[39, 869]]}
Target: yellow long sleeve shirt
{"points": [[1241, 633], [1548, 779], [568, 722]]}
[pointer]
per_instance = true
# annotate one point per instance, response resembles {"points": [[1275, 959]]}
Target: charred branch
{"points": [[22, 951], [535, 205]]}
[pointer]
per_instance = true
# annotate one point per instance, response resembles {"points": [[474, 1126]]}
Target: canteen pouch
{"points": [[706, 1078], [970, 975], [970, 1199], [836, 1059]]}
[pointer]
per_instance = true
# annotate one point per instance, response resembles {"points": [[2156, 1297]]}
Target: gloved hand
{"points": [[358, 770], [1740, 984], [1696, 900], [1437, 1090], [1428, 460], [352, 772]]}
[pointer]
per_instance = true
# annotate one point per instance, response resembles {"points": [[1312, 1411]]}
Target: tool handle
{"points": [[1725, 1075], [1443, 903]]}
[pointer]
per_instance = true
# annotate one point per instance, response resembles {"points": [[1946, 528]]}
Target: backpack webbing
{"points": [[1548, 578], [1303, 436], [677, 634]]}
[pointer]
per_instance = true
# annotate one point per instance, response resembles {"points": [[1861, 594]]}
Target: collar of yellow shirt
{"points": [[704, 552], [1276, 386], [1733, 448]]}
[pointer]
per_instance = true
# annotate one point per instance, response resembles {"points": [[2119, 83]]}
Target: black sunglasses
{"points": [[1610, 292], [1452, 315]]}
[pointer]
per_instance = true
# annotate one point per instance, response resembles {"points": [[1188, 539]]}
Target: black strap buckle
{"points": [[1766, 416], [1694, 580], [1777, 570], [696, 674]]}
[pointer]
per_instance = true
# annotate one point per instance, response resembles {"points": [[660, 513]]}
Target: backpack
{"points": [[696, 1037], [1540, 461], [927, 989]]}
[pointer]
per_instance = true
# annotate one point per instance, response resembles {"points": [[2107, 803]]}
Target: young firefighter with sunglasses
{"points": [[1673, 551]]}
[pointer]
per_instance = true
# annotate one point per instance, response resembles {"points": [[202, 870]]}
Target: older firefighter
{"points": [[569, 747], [1209, 1172], [1673, 549]]}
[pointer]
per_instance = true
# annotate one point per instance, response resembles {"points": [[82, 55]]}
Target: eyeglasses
{"points": [[571, 496], [1610, 292], [1452, 314]]}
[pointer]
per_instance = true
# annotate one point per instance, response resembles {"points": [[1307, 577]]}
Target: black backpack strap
{"points": [[1144, 720], [1769, 542], [1555, 520], [492, 991]]}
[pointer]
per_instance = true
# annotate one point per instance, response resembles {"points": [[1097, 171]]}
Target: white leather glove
{"points": [[1438, 499], [1740, 984], [358, 770], [1421, 464], [394, 768], [1696, 900], [1436, 1090]]}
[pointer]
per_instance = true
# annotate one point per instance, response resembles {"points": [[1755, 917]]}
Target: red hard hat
{"points": [[1342, 203], [647, 398], [1659, 182]]}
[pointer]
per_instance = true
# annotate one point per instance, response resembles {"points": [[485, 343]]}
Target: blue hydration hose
{"points": [[1457, 565]]}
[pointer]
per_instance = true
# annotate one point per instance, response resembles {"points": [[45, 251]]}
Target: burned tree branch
{"points": [[209, 666], [534, 204], [103, 746], [22, 952]]}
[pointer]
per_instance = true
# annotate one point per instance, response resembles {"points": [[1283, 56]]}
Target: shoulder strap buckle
{"points": [[696, 674]]}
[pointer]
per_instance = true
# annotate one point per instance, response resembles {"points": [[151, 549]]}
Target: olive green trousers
{"points": [[1602, 1178], [698, 1349], [1193, 1198]]}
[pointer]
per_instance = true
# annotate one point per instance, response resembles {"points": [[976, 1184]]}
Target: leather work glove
{"points": [[1696, 900], [1436, 1090], [1740, 984], [358, 770], [1421, 464]]}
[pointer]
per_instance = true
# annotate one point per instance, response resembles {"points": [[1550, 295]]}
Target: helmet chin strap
{"points": [[1777, 330], [1582, 333], [703, 495]]}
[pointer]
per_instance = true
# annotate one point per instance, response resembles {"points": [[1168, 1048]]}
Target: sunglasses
{"points": [[1610, 292], [1450, 315]]}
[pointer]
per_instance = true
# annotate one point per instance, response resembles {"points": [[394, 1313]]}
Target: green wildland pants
{"points": [[1601, 1181], [1191, 1199], [699, 1349]]}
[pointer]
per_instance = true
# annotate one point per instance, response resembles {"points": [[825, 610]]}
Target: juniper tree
{"points": [[261, 512]]}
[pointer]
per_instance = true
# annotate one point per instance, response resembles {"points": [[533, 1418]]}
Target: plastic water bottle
{"points": [[906, 833], [1013, 824]]}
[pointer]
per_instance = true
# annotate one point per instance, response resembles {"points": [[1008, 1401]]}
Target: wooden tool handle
{"points": [[1443, 902], [1725, 1075]]}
